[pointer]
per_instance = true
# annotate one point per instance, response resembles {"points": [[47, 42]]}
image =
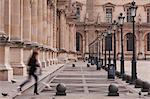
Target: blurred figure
{"points": [[33, 65]]}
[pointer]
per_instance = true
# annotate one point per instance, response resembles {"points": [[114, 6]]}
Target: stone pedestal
{"points": [[6, 72], [62, 58], [71, 57], [43, 61], [16, 61], [50, 57], [47, 58], [55, 58]]}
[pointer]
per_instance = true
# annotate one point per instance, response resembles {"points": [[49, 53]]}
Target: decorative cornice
{"points": [[77, 4], [50, 3], [109, 5], [146, 6], [125, 6]]}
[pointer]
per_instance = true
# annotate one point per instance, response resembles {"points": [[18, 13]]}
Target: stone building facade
{"points": [[97, 15], [47, 26]]}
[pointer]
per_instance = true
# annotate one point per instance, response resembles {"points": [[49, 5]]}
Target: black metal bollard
{"points": [[73, 65], [124, 77], [118, 74], [88, 65], [145, 87], [61, 90], [111, 71], [138, 83], [128, 79], [113, 90]]}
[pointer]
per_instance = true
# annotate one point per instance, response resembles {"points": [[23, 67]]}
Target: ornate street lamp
{"points": [[99, 54], [133, 9], [115, 25], [102, 49], [104, 35], [121, 22], [109, 37]]}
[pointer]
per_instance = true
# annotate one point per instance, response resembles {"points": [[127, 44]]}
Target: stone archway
{"points": [[79, 43], [128, 44]]}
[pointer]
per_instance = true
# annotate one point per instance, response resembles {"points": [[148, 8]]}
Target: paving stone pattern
{"points": [[82, 83]]}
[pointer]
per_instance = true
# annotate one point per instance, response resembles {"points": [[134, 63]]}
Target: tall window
{"points": [[148, 42], [148, 15], [108, 43], [78, 42], [129, 42], [109, 15], [129, 18]]}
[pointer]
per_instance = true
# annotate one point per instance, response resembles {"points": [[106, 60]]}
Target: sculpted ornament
{"points": [[50, 3]]}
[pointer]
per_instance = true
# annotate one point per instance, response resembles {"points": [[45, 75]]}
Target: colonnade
{"points": [[27, 25]]}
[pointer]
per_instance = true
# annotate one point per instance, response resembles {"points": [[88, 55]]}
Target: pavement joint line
{"points": [[84, 82], [101, 95]]}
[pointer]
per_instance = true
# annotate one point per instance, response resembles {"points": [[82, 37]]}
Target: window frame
{"points": [[148, 14], [108, 17], [148, 41], [129, 41], [108, 38], [128, 15]]}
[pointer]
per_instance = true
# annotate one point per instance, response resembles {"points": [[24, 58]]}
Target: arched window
{"points": [[148, 42], [129, 38], [78, 42], [108, 42]]}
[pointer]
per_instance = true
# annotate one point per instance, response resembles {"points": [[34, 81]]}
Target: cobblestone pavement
{"points": [[82, 83]]}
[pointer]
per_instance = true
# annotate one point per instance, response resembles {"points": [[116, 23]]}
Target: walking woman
{"points": [[33, 64]]}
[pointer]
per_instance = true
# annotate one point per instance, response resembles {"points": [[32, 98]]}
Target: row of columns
{"points": [[67, 37], [29, 24]]}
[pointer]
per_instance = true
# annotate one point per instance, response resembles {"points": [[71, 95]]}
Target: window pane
{"points": [[129, 42], [148, 15], [78, 42], [108, 43], [129, 18], [109, 15], [148, 42]]}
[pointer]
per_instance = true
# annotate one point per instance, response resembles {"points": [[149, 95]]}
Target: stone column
{"points": [[70, 37], [67, 37], [84, 46], [34, 21], [87, 42], [48, 34], [62, 29], [71, 41], [44, 32], [40, 29], [6, 72], [26, 21], [27, 29], [54, 32], [16, 51], [62, 55], [74, 48]]}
